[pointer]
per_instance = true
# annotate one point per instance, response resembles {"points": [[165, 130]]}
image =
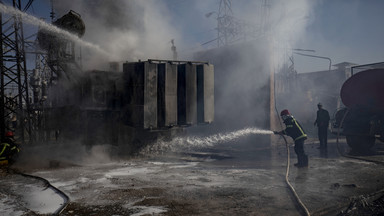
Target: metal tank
{"points": [[70, 22], [362, 120]]}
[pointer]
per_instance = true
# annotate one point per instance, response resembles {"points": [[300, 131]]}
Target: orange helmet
{"points": [[284, 113], [9, 134]]}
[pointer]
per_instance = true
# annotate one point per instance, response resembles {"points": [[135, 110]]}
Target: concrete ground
{"points": [[229, 179]]}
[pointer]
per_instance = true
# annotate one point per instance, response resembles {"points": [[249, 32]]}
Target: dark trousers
{"points": [[322, 133], [302, 158]]}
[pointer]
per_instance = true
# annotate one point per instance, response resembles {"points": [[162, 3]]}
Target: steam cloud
{"points": [[138, 29], [134, 29], [131, 30]]}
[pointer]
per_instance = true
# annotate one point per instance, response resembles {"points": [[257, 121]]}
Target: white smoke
{"points": [[136, 29], [131, 30]]}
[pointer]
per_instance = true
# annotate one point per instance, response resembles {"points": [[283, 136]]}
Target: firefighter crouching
{"points": [[8, 149], [297, 133]]}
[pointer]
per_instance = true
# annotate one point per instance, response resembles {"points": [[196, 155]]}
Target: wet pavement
{"points": [[232, 179]]}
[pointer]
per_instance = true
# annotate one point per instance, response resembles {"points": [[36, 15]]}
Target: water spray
{"points": [[51, 28], [193, 142]]}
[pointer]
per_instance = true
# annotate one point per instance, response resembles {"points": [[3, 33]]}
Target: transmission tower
{"points": [[225, 23], [230, 29], [14, 96], [265, 13]]}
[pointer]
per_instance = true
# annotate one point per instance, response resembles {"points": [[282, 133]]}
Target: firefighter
{"points": [[322, 122], [8, 149], [297, 133]]}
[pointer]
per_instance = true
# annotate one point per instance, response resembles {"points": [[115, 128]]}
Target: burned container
{"points": [[70, 22]]}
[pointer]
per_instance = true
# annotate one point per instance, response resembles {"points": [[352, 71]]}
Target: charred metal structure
{"points": [[125, 108], [148, 99]]}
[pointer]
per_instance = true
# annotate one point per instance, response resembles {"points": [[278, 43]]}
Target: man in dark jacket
{"points": [[8, 148], [297, 133], [322, 122]]}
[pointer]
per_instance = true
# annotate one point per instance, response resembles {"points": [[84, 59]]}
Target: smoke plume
{"points": [[131, 30]]}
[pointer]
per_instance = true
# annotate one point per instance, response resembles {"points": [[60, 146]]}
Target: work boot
{"points": [[302, 161], [299, 159]]}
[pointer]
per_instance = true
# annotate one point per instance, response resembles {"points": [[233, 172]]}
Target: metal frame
{"points": [[14, 77]]}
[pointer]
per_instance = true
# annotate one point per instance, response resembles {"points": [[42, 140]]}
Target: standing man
{"points": [[296, 132], [322, 122]]}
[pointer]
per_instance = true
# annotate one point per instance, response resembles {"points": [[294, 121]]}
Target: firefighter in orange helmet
{"points": [[297, 133]]}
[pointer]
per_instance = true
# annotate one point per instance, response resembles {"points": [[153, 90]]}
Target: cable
{"points": [[28, 5], [48, 185]]}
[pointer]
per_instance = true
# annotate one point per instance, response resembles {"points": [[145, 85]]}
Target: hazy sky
{"points": [[343, 30]]}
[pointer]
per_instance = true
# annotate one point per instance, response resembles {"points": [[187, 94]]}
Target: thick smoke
{"points": [[243, 69], [130, 30], [135, 29]]}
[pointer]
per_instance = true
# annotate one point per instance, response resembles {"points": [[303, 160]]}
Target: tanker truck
{"points": [[361, 121]]}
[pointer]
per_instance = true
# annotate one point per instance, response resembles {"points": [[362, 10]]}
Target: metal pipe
{"points": [[315, 56]]}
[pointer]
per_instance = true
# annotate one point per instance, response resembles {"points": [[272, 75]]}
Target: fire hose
{"points": [[47, 185], [292, 189], [298, 200]]}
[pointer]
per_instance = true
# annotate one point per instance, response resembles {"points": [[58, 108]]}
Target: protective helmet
{"points": [[284, 113], [9, 134]]}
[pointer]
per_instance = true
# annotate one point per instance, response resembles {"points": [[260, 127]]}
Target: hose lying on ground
{"points": [[304, 208], [288, 163], [48, 185]]}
